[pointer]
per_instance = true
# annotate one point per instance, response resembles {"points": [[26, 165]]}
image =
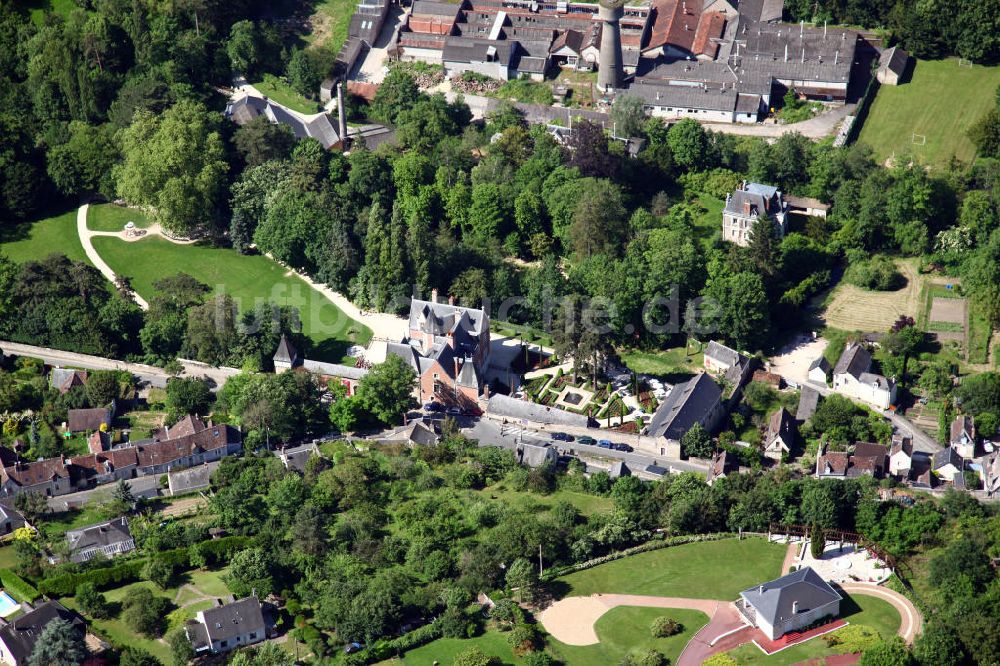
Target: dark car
{"points": [[454, 411], [587, 440], [561, 437], [432, 407], [618, 446]]}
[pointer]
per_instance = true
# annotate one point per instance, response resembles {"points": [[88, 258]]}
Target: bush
{"points": [[538, 659], [645, 658], [878, 273], [92, 602], [145, 612], [18, 588], [523, 639], [475, 657], [853, 638], [664, 626], [158, 570], [719, 660]]}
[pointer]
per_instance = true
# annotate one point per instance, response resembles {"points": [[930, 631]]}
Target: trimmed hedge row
{"points": [[384, 649], [17, 587], [655, 544], [213, 550]]}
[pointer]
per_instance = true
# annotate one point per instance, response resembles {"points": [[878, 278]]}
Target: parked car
{"points": [[618, 446], [604, 443], [562, 437], [586, 439], [432, 407], [351, 648]]}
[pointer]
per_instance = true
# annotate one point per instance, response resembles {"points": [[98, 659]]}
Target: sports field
{"points": [[940, 102], [248, 279]]}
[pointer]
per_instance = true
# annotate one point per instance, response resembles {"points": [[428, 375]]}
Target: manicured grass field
{"points": [[248, 279], [8, 558], [708, 225], [37, 240], [282, 93], [625, 629], [875, 613], [673, 363], [444, 650], [941, 102], [109, 217], [705, 570]]}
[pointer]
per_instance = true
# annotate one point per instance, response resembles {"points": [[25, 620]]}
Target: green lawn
{"points": [[37, 240], [705, 570], [109, 217], [282, 93], [8, 558], [625, 629], [248, 279], [39, 8], [708, 225], [444, 650], [875, 613], [673, 363], [330, 23], [941, 102]]}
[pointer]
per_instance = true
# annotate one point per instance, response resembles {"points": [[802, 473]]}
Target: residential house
{"points": [[832, 464], [10, 519], [698, 400], [922, 478], [819, 370], [19, 636], [49, 477], [418, 434], [852, 377], [723, 464], [63, 379], [448, 346], [193, 479], [947, 464], [227, 627], [109, 539], [991, 474], [963, 436], [719, 359], [892, 64], [869, 459], [748, 204], [780, 436], [789, 603], [88, 420], [901, 456], [536, 455], [246, 108], [808, 401]]}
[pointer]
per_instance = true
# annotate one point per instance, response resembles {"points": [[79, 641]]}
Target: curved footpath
{"points": [[85, 236]]}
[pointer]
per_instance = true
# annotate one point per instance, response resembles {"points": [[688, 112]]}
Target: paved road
{"points": [[491, 433], [921, 440], [146, 373]]}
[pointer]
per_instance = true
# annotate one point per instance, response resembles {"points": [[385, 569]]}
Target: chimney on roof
{"points": [[746, 208], [795, 607], [760, 589], [434, 295]]}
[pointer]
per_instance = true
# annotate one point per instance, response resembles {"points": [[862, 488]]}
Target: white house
{"points": [[789, 603], [963, 436], [109, 539], [947, 464], [851, 377], [901, 456], [780, 434], [819, 370], [227, 627]]}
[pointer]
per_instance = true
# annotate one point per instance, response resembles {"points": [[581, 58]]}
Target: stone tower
{"points": [[609, 73]]}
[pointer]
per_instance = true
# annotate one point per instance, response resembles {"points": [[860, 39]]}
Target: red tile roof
{"points": [[711, 26]]}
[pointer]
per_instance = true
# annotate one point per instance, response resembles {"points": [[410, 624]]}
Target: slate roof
{"points": [[189, 480], [99, 535], [808, 401], [773, 601], [286, 352], [296, 458], [535, 455], [820, 363], [894, 60], [781, 424], [464, 50], [21, 633], [334, 369], [619, 469], [248, 107], [855, 361], [687, 404], [418, 433], [512, 408], [441, 318], [9, 513], [79, 420], [432, 8], [945, 456], [657, 470], [228, 621], [661, 94], [723, 354]]}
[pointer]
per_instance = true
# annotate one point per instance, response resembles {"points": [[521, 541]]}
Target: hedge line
{"points": [[214, 551], [655, 544], [17, 587], [384, 649]]}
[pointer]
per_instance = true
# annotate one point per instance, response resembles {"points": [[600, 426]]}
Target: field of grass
{"points": [[109, 217], [36, 240], [705, 570], [708, 225], [625, 629], [850, 308], [248, 279], [282, 93], [39, 8], [523, 90], [941, 102], [8, 558], [875, 613], [675, 363], [444, 650], [330, 22]]}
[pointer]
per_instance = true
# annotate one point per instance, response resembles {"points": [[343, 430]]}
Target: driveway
{"points": [[818, 127], [794, 359], [571, 620]]}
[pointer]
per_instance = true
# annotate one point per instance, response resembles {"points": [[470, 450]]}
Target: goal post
{"points": [[962, 62], [918, 139]]}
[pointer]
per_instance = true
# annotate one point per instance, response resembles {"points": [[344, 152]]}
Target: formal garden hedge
{"points": [[385, 649], [210, 552], [17, 587]]}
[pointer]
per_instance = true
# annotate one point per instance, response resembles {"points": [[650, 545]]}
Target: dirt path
{"points": [[912, 620], [791, 557], [571, 620]]}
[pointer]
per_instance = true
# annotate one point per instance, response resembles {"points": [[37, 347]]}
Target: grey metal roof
{"points": [[235, 619], [188, 480], [464, 50], [432, 8], [774, 600], [808, 401], [502, 405], [687, 404]]}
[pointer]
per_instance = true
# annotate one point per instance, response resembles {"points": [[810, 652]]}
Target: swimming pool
{"points": [[7, 604]]}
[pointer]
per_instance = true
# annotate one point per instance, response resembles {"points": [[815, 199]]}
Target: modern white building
{"points": [[789, 603]]}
